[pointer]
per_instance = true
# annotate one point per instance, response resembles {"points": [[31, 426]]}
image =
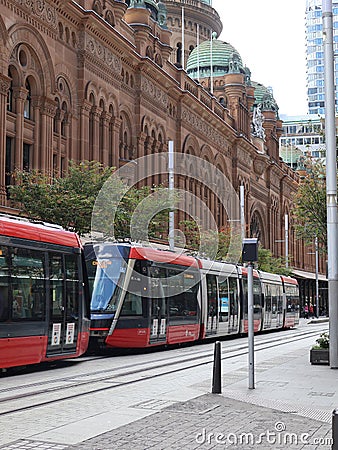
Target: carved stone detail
{"points": [[41, 9], [5, 84], [148, 88], [204, 128], [260, 164], [104, 54]]}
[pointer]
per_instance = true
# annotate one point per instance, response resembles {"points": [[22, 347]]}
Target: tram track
{"points": [[71, 387]]}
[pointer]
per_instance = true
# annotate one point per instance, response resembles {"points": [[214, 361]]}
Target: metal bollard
{"points": [[216, 378], [335, 429]]}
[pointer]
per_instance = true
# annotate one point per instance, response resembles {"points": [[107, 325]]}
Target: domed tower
{"points": [[222, 56], [218, 67], [200, 21]]}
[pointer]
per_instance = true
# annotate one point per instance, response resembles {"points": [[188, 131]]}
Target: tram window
{"points": [[132, 303], [267, 298], [212, 295], [257, 297], [183, 288], [233, 296], [56, 285], [4, 282], [27, 284], [72, 286], [224, 300]]}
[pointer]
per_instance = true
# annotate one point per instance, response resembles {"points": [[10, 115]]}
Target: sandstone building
{"points": [[113, 80]]}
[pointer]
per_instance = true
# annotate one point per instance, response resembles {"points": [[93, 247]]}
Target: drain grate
{"points": [[154, 404], [321, 394]]}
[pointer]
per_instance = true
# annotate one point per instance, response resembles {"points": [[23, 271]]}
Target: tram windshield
{"points": [[109, 278]]}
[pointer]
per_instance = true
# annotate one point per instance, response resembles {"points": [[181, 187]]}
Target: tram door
{"points": [[212, 305], [64, 294], [228, 305], [158, 305]]}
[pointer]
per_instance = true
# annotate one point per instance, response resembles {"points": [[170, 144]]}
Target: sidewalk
{"points": [[290, 408]]}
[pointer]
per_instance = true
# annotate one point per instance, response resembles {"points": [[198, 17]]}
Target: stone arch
{"points": [[257, 227], [62, 70], [191, 142], [113, 105], [19, 34], [127, 144], [4, 51], [92, 91], [110, 18], [220, 162], [162, 132], [97, 7]]}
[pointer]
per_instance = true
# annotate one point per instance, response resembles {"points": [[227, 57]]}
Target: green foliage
{"points": [[67, 201], [267, 263], [309, 211], [322, 342]]}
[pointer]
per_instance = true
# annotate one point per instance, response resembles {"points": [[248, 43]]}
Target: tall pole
{"points": [[251, 328], [171, 188], [317, 283], [198, 51], [211, 71], [331, 179], [241, 192], [286, 238], [183, 43]]}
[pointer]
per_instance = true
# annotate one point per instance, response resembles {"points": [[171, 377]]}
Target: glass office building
{"points": [[315, 55]]}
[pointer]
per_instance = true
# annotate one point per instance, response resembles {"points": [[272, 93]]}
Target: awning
{"points": [[308, 275]]}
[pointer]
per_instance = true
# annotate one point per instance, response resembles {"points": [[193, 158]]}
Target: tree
{"points": [[268, 263], [67, 201], [309, 210]]}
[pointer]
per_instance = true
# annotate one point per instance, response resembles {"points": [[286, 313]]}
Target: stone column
{"points": [[84, 130], [36, 104], [106, 118], [20, 95], [115, 156], [95, 150], [46, 149], [5, 83]]}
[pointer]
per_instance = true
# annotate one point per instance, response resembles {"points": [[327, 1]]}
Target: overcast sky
{"points": [[270, 37]]}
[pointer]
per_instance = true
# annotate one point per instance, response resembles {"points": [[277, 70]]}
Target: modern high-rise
{"points": [[315, 55]]}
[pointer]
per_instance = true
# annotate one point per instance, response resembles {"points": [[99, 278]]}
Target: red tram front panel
{"points": [[144, 297], [43, 306]]}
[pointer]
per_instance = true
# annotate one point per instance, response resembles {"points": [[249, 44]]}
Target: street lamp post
{"points": [[331, 179], [317, 283]]}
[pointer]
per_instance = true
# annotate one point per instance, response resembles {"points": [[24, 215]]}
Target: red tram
{"points": [[44, 304], [143, 297]]}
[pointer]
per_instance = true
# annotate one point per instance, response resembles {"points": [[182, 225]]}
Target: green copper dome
{"points": [[222, 55], [264, 97]]}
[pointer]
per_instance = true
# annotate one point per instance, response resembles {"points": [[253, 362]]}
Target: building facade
{"points": [[103, 80], [302, 138], [315, 55]]}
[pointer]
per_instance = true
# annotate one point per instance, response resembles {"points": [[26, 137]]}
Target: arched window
{"points": [[64, 119], [179, 54], [57, 115], [10, 93], [27, 112], [91, 125]]}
